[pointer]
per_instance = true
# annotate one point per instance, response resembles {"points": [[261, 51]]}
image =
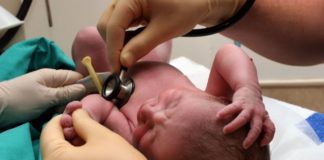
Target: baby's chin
{"points": [[127, 135], [128, 132], [130, 139]]}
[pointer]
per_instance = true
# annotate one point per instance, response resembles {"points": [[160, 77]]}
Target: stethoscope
{"points": [[119, 88]]}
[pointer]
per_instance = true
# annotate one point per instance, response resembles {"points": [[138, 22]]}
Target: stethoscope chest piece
{"points": [[118, 89]]}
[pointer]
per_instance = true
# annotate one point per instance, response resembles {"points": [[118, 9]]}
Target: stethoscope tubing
{"points": [[222, 26], [205, 31]]}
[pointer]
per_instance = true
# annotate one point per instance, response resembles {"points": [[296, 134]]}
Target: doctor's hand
{"points": [[100, 142], [164, 20], [26, 97]]}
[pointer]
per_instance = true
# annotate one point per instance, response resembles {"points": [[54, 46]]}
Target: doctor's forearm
{"points": [[285, 31]]}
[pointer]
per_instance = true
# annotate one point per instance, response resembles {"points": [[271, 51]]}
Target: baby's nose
{"points": [[151, 114]]}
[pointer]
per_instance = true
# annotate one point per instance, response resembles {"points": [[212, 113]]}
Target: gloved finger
{"points": [[69, 93], [269, 130], [143, 43], [158, 30], [87, 128], [229, 110], [122, 17], [52, 138], [255, 130], [96, 136], [58, 78], [66, 77], [242, 119], [102, 23]]}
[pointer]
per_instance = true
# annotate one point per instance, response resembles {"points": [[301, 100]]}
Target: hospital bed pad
{"points": [[299, 131]]}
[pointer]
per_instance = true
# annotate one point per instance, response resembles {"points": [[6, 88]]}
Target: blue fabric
{"points": [[18, 143], [22, 142], [31, 55], [316, 121]]}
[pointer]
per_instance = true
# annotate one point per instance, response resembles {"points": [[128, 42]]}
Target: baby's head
{"points": [[208, 142], [181, 125]]}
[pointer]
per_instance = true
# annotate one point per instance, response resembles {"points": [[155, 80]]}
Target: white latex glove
{"points": [[100, 142], [164, 20], [26, 97]]}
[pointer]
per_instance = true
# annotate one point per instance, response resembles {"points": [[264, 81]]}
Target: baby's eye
{"points": [[170, 110], [152, 101]]}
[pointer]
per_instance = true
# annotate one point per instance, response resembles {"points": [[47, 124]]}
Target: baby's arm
{"points": [[234, 76]]}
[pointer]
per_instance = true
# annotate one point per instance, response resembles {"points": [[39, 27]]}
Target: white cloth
{"points": [[7, 20]]}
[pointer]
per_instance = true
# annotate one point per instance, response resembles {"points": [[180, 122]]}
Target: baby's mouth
{"points": [[138, 133]]}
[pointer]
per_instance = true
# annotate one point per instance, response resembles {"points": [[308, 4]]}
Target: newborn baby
{"points": [[167, 117]]}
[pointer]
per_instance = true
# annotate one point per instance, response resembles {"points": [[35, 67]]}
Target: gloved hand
{"points": [[164, 20], [100, 142], [26, 97]]}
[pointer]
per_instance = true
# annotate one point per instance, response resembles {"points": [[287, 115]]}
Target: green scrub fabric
{"points": [[22, 142]]}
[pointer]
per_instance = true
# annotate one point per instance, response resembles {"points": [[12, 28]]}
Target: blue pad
{"points": [[316, 121]]}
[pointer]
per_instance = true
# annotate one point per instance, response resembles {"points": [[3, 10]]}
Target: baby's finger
{"points": [[255, 130], [72, 106], [66, 121], [238, 122], [69, 133], [228, 111], [269, 130], [77, 141], [52, 138]]}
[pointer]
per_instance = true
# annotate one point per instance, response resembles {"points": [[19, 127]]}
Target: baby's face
{"points": [[165, 121]]}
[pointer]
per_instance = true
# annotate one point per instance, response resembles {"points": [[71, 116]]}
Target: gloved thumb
{"points": [[69, 93], [140, 45], [51, 136], [102, 139], [57, 78], [63, 84], [87, 128]]}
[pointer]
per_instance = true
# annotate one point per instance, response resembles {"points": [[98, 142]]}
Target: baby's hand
{"points": [[248, 107], [67, 124]]}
